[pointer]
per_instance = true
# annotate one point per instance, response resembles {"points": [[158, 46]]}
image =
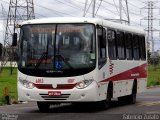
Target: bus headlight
{"points": [[26, 83], [83, 84]]}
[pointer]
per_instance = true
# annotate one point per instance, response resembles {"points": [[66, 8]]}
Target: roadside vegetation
{"points": [[9, 82], [153, 69], [153, 75]]}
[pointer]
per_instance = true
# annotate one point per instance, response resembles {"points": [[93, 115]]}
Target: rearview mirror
{"points": [[14, 39]]}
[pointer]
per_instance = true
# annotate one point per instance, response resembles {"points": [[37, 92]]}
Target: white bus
{"points": [[80, 60]]}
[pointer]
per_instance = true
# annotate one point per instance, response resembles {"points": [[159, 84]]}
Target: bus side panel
{"points": [[122, 88], [141, 85]]}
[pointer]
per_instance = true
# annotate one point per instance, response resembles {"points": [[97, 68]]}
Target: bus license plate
{"points": [[51, 93]]}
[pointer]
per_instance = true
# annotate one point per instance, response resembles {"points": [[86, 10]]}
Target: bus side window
{"points": [[112, 50], [136, 50], [129, 47], [101, 47], [142, 48], [120, 45]]}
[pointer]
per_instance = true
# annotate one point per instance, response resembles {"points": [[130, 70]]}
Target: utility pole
{"points": [[150, 6], [19, 11], [93, 8]]}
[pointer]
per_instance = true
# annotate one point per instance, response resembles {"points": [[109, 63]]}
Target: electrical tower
{"points": [[150, 6], [126, 11], [122, 10], [19, 11]]}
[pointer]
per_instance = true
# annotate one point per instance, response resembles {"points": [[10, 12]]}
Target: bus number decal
{"points": [[70, 80], [39, 81]]}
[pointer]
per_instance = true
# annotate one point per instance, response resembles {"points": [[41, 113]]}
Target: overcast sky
{"points": [[108, 9]]}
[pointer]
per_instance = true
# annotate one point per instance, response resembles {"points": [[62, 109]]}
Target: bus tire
{"points": [[43, 106], [129, 99], [105, 104], [132, 97]]}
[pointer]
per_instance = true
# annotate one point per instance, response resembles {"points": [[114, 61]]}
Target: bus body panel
{"points": [[94, 92]]}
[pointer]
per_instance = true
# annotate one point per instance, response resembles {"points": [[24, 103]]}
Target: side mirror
{"points": [[14, 39]]}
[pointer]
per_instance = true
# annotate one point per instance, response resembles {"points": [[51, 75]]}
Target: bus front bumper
{"points": [[88, 94]]}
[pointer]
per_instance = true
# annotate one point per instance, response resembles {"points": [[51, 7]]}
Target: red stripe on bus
{"points": [[137, 72]]}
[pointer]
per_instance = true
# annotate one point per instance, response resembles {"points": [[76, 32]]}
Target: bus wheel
{"points": [[43, 106], [129, 99], [132, 97], [106, 103]]}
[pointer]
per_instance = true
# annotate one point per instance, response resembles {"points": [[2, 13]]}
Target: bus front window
{"points": [[57, 47]]}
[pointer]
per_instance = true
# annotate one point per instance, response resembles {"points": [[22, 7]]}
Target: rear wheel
{"points": [[131, 99], [43, 106]]}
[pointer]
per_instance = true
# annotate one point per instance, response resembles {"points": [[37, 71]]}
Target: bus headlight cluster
{"points": [[26, 83], [84, 84]]}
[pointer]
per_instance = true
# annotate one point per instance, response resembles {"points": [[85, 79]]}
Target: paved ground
{"points": [[147, 103]]}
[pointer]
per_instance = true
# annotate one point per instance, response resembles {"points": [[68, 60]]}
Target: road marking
{"points": [[150, 103], [153, 112]]}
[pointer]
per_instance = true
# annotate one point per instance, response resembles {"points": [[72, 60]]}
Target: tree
{"points": [[1, 47], [148, 55]]}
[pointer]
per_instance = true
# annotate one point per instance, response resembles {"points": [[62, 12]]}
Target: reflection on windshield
{"points": [[57, 47]]}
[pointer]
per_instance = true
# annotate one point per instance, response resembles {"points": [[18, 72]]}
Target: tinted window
{"points": [[142, 48], [136, 52], [46, 49], [128, 45], [111, 44], [120, 45], [101, 47]]}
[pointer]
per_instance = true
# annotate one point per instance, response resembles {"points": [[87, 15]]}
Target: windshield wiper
{"points": [[39, 61], [64, 60], [43, 56]]}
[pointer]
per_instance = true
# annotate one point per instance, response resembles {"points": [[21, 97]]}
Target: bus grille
{"points": [[59, 86], [62, 97]]}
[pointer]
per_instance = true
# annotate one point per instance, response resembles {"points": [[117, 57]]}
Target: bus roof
{"points": [[96, 21]]}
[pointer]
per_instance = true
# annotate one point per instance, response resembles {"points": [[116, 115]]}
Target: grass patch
{"points": [[153, 75], [9, 81]]}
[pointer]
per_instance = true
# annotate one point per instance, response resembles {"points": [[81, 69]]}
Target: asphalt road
{"points": [[147, 107]]}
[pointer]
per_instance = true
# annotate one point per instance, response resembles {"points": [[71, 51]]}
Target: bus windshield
{"points": [[57, 48]]}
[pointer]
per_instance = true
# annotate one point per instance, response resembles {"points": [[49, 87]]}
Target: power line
{"points": [[115, 6], [4, 1], [88, 8], [66, 3], [46, 9], [53, 10], [98, 7]]}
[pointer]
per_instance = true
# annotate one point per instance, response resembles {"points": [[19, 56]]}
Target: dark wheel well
{"points": [[110, 88]]}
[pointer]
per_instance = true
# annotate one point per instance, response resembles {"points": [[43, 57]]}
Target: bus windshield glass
{"points": [[57, 48]]}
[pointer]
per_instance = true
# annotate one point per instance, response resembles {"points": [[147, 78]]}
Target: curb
{"points": [[153, 86]]}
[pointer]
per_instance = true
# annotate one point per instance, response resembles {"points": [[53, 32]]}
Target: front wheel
{"points": [[43, 106], [105, 104]]}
